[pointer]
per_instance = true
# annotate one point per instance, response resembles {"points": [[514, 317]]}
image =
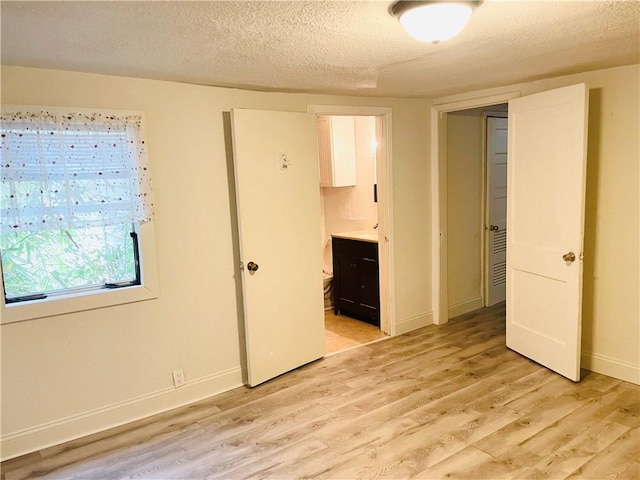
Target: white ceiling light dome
{"points": [[435, 20]]}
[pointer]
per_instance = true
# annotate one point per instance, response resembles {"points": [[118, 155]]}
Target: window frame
{"points": [[78, 301], [41, 294]]}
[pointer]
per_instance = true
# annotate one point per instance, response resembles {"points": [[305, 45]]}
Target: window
{"points": [[38, 264], [75, 192]]}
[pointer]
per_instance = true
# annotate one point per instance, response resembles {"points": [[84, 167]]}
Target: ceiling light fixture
{"points": [[433, 21]]}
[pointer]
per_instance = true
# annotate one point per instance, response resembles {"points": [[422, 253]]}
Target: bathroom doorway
{"points": [[355, 200]]}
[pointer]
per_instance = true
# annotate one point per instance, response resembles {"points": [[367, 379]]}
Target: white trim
{"points": [[413, 323], [611, 367], [385, 207], [467, 306], [447, 105], [70, 428], [436, 230], [484, 220], [438, 192]]}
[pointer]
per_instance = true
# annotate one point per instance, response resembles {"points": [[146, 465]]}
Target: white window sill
{"points": [[78, 302]]}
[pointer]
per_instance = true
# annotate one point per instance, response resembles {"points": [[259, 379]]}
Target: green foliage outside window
{"points": [[65, 259]]}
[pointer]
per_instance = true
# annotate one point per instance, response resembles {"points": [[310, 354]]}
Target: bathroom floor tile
{"points": [[342, 332]]}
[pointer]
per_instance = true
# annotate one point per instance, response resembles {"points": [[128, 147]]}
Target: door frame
{"points": [[384, 173], [439, 269]]}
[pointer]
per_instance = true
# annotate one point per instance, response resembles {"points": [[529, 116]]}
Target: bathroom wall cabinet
{"points": [[356, 280], [337, 151]]}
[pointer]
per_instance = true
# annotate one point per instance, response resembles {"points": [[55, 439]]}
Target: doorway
{"points": [[440, 209], [275, 151], [358, 203], [544, 272], [476, 195]]}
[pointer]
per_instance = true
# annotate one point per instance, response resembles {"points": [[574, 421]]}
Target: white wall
{"points": [[464, 211], [68, 375], [611, 312]]}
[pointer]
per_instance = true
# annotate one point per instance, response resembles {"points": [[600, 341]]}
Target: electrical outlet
{"points": [[178, 378]]}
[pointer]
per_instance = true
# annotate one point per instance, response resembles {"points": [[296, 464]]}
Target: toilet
{"points": [[327, 274]]}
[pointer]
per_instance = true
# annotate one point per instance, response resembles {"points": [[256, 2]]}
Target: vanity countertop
{"points": [[362, 235]]}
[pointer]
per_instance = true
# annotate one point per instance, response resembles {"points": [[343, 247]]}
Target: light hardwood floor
{"points": [[440, 402]]}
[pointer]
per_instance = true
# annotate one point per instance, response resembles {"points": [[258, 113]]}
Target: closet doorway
{"points": [[476, 196]]}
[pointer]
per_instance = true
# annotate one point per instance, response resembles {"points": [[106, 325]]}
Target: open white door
{"points": [[545, 214], [278, 195], [496, 224]]}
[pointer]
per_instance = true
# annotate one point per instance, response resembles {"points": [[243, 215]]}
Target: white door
{"points": [[278, 196], [496, 224], [545, 214]]}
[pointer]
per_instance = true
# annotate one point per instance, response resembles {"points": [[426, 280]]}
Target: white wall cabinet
{"points": [[337, 151]]}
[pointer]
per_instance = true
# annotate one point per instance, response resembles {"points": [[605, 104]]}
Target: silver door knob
{"points": [[494, 228], [569, 257]]}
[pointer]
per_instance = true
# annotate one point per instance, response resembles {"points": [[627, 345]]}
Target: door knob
{"points": [[252, 267], [494, 228], [569, 257]]}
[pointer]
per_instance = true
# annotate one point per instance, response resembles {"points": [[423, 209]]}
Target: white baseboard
{"points": [[465, 307], [611, 367], [70, 428], [413, 323]]}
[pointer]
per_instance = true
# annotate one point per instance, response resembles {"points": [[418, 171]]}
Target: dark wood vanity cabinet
{"points": [[355, 279]]}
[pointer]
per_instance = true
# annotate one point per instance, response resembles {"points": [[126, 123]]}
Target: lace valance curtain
{"points": [[72, 171]]}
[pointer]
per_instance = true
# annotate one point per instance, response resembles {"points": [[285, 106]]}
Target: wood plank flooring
{"points": [[441, 402]]}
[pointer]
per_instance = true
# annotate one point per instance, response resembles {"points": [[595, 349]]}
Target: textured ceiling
{"points": [[343, 47]]}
